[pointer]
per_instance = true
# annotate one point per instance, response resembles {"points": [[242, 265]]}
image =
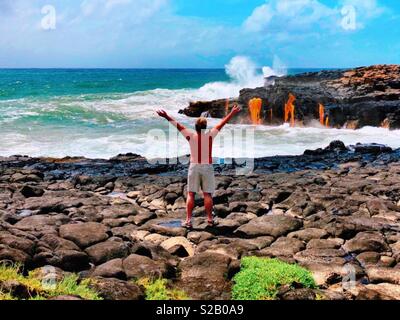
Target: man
{"points": [[201, 171]]}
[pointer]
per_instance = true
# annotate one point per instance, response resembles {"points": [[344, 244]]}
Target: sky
{"points": [[198, 33]]}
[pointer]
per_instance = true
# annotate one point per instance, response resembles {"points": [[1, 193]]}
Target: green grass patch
{"points": [[261, 278], [158, 289], [39, 290]]}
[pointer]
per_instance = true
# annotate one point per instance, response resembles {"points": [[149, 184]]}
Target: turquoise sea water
{"points": [[103, 112], [29, 83]]}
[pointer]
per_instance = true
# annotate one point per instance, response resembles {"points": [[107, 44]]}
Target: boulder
{"points": [[166, 227], [84, 234], [366, 241], [42, 222], [59, 252], [261, 242], [128, 232], [387, 289], [110, 269], [68, 260], [326, 274], [179, 246], [137, 266], [115, 289], [14, 255], [368, 258], [332, 243], [16, 289], [20, 243], [143, 217], [275, 226], [155, 238], [203, 276], [380, 274], [283, 247], [108, 250], [322, 256], [302, 294], [31, 191], [199, 236], [308, 234]]}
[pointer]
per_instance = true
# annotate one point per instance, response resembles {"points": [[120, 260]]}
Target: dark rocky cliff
{"points": [[366, 96]]}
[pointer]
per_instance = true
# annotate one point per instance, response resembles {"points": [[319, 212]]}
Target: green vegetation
{"points": [[261, 278], [5, 296], [37, 290], [158, 290]]}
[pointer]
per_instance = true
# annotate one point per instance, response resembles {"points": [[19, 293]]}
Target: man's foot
{"points": [[187, 225], [211, 223]]}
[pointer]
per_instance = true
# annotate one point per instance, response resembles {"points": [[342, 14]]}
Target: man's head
{"points": [[201, 124]]}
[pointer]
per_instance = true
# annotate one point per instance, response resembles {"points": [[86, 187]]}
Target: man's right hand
{"points": [[236, 109]]}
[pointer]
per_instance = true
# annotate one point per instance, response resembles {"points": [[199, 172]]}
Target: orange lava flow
{"points": [[255, 106], [322, 119], [321, 114], [289, 110]]}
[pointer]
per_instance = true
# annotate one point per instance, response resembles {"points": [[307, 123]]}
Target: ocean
{"points": [[99, 113]]}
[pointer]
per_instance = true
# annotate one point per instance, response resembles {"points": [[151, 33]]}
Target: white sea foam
{"points": [[101, 126]]}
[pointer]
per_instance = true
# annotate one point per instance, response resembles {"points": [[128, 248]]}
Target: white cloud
{"points": [[299, 15], [136, 9], [147, 33], [259, 19], [365, 8]]}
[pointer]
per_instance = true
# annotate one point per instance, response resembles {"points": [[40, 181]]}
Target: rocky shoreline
{"points": [[353, 98], [335, 211]]}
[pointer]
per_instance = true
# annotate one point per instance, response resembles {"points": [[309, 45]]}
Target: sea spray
{"points": [[99, 121]]}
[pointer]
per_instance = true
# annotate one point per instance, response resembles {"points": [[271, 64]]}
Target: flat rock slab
{"points": [[389, 275], [366, 241], [283, 247], [84, 234], [309, 234], [329, 273], [275, 226], [323, 256], [387, 289]]}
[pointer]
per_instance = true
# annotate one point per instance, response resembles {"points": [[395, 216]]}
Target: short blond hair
{"points": [[201, 124]]}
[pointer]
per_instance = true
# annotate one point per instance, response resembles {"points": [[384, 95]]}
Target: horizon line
{"points": [[151, 68]]}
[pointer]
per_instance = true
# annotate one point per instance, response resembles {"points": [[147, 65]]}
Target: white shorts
{"points": [[201, 176]]}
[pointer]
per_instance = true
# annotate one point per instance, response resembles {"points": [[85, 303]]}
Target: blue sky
{"points": [[199, 33]]}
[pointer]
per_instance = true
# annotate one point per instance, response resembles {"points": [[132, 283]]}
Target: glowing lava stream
{"points": [[290, 109], [255, 106], [324, 121]]}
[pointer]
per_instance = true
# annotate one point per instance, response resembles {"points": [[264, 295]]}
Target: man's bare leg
{"points": [[208, 204], [189, 207]]}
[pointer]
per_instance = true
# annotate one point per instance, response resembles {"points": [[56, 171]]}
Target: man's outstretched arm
{"points": [[224, 121], [182, 129]]}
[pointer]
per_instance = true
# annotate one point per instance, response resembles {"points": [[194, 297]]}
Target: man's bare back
{"points": [[201, 171]]}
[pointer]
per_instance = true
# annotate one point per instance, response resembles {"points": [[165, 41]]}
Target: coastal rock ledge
{"points": [[353, 98], [119, 227]]}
